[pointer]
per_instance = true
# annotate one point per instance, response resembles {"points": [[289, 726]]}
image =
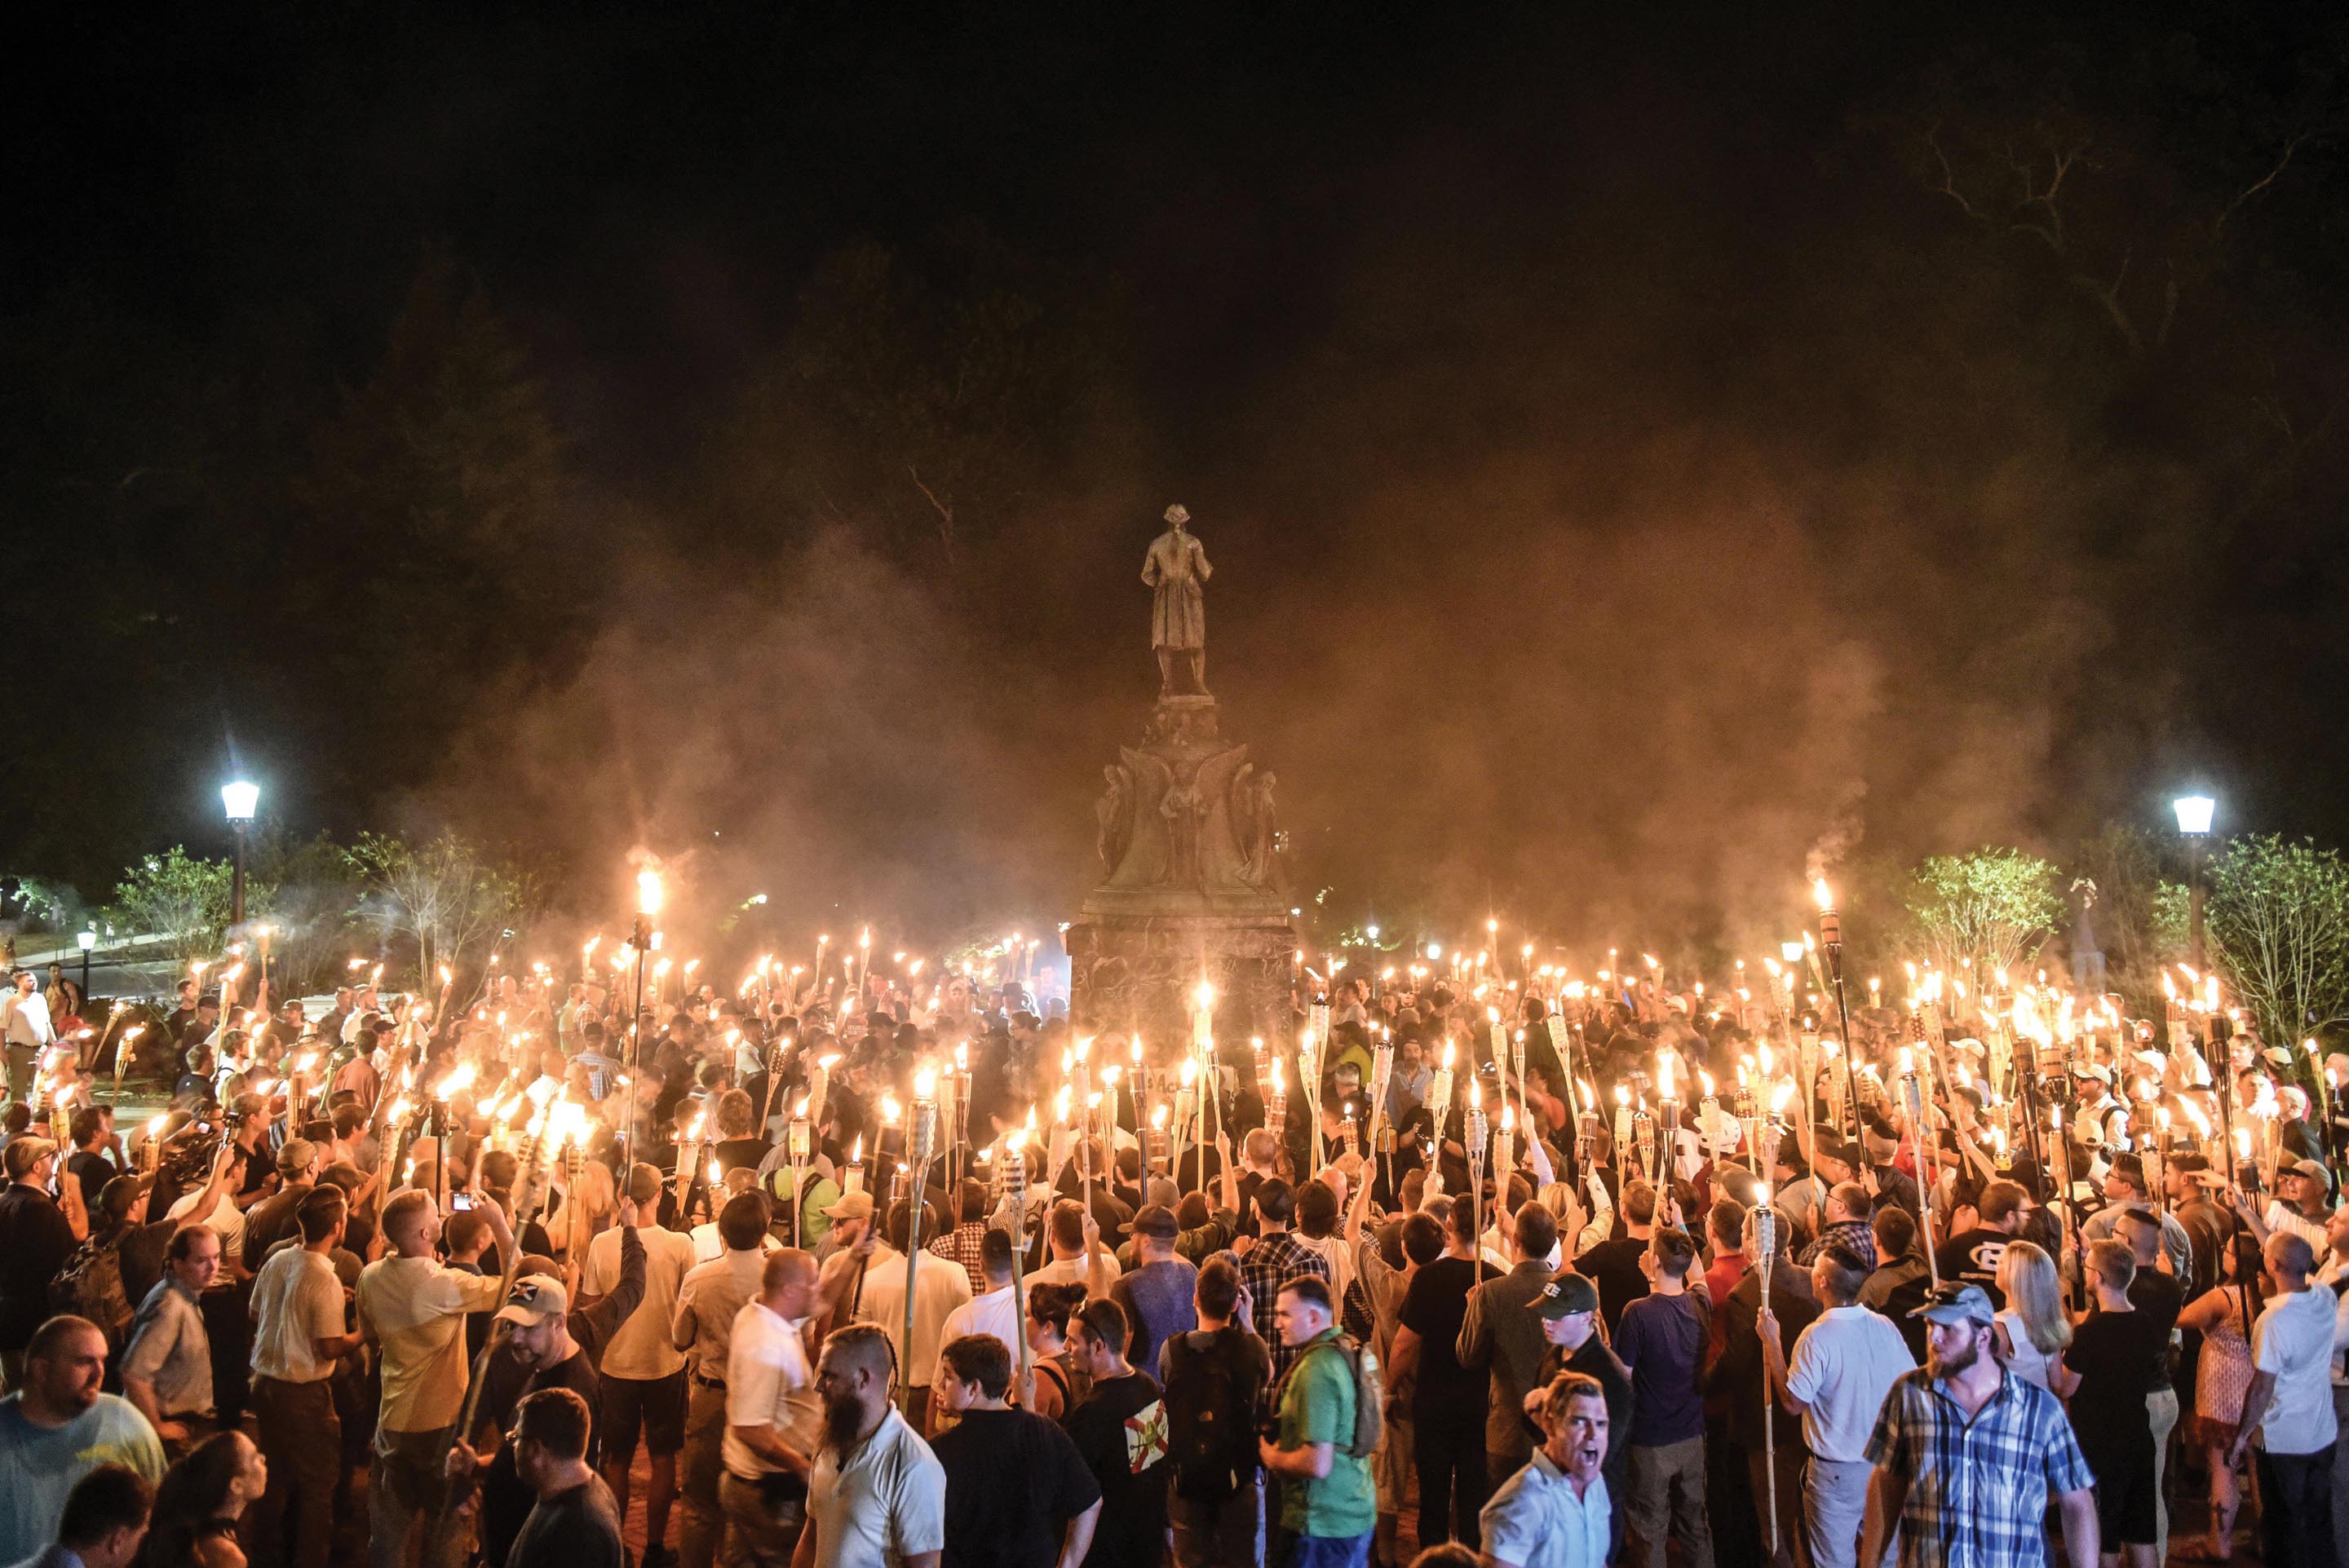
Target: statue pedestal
{"points": [[1192, 889]]}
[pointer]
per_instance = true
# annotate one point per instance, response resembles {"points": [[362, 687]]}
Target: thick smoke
{"points": [[1611, 533]]}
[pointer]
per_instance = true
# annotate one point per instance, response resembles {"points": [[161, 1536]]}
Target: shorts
{"points": [[653, 1405], [2127, 1500]]}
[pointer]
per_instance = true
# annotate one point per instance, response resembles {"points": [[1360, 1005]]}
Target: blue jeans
{"points": [[1331, 1551]]}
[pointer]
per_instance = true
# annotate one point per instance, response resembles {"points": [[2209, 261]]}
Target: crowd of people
{"points": [[892, 1275]]}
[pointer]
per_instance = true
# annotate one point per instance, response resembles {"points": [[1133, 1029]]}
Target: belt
{"points": [[717, 1383]]}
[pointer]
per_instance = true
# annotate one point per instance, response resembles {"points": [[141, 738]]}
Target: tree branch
{"points": [[2256, 186]]}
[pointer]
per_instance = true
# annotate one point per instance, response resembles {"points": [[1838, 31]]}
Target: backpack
{"points": [[90, 1286], [1369, 1392], [1211, 1429]]}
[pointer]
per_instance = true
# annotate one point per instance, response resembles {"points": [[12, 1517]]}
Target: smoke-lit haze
{"points": [[1632, 485]]}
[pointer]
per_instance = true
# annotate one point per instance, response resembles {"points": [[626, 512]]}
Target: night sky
{"points": [[1640, 456]]}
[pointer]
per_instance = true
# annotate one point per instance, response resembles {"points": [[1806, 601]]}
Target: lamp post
{"points": [[84, 940], [239, 799], [2194, 822]]}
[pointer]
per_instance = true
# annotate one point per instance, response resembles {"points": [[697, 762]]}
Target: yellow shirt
{"points": [[414, 1309]]}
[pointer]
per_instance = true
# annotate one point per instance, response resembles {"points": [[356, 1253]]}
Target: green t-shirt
{"points": [[1318, 1407]]}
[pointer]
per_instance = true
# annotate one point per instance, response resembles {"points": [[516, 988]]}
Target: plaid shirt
{"points": [[1272, 1263], [960, 1245], [1977, 1490]]}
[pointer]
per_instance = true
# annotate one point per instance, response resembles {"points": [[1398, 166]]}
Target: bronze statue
{"points": [[1175, 568]]}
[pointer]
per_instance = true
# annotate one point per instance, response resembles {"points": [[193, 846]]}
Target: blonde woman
{"points": [[587, 1206], [2033, 1331]]}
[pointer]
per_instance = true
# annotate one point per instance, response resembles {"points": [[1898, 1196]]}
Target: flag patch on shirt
{"points": [[1145, 1436]]}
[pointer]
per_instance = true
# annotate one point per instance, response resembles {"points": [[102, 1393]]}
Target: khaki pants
{"points": [[404, 1492], [704, 1524], [756, 1536], [1668, 1498]]}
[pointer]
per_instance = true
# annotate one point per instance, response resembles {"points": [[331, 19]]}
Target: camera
{"points": [[459, 1202]]}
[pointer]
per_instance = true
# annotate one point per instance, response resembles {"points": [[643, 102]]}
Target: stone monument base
{"points": [[1139, 971]]}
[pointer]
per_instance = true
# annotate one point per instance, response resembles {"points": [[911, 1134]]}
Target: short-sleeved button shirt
{"points": [[1977, 1490], [1317, 1405], [1536, 1521], [415, 1309]]}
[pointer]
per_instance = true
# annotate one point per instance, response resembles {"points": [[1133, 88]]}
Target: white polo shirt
{"points": [[2291, 1339], [769, 1383], [298, 1300], [1844, 1365], [882, 1502]]}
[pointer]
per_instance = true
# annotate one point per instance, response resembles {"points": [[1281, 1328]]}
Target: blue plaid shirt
{"points": [[1977, 1490]]}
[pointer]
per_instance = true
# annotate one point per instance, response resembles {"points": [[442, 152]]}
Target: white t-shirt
{"points": [[939, 1287], [226, 1220], [2291, 1339], [2283, 1218], [641, 1347], [415, 1309], [708, 1246], [768, 1384], [1843, 1366], [883, 1503], [994, 1313], [296, 1300]]}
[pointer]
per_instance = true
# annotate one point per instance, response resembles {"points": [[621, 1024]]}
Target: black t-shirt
{"points": [[1614, 1266], [2160, 1297], [1120, 1431], [1014, 1480], [575, 1529], [506, 1502], [1972, 1258], [740, 1154], [1433, 1308], [37, 1240], [93, 1171], [2115, 1353]]}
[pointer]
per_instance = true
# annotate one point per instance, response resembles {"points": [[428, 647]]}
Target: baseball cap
{"points": [[2313, 1170], [1566, 1294], [533, 1299], [297, 1156], [1955, 1302], [851, 1206], [24, 1152], [1156, 1219]]}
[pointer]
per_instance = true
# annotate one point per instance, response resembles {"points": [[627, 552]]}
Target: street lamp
{"points": [[2194, 822], [239, 799], [85, 940]]}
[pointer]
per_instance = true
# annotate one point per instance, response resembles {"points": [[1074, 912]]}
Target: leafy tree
{"points": [[1988, 910], [444, 898], [183, 898], [2278, 921]]}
